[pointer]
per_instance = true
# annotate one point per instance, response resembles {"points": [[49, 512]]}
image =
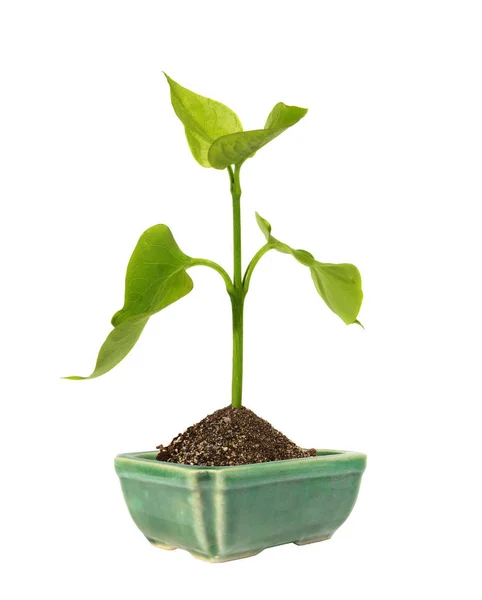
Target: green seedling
{"points": [[157, 271]]}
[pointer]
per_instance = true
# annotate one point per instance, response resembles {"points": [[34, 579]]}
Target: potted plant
{"points": [[231, 485]]}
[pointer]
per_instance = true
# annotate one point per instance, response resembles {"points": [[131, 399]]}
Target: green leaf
{"points": [[235, 148], [117, 346], [264, 226], [340, 288], [204, 120], [283, 116], [156, 277], [338, 284]]}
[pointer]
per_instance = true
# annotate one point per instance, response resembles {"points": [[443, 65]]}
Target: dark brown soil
{"points": [[230, 436]]}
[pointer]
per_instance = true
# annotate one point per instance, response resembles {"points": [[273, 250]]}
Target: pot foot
{"points": [[312, 540], [161, 545], [217, 559]]}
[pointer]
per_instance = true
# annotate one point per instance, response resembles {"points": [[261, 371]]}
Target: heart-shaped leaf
{"points": [[235, 148], [204, 120], [156, 277], [338, 284]]}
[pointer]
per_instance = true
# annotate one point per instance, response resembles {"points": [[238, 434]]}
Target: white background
{"points": [[385, 172]]}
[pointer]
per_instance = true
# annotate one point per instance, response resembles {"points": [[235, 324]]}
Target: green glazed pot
{"points": [[224, 513]]}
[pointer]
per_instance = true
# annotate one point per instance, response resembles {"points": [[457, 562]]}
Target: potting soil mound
{"points": [[230, 436]]}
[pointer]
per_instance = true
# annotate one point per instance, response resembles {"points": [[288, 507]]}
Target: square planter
{"points": [[225, 513]]}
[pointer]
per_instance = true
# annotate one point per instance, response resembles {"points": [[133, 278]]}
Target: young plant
{"points": [[157, 271]]}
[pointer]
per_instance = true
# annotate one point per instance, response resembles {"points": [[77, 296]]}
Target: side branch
{"points": [[254, 261]]}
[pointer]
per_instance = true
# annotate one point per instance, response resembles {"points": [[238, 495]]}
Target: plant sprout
{"points": [[157, 271]]}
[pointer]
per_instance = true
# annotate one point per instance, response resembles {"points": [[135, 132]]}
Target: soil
{"points": [[230, 436]]}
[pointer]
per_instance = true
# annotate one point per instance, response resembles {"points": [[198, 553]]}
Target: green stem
{"points": [[237, 295], [237, 381], [254, 261], [236, 194], [213, 265]]}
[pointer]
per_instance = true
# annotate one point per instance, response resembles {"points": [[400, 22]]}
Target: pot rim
{"points": [[324, 456]]}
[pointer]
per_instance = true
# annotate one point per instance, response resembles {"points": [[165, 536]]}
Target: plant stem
{"points": [[254, 261], [237, 377], [236, 194], [237, 296], [213, 265]]}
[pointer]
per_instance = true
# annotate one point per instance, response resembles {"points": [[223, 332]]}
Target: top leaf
{"points": [[204, 120], [339, 285], [235, 148]]}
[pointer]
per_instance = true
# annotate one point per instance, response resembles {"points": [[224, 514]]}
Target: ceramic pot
{"points": [[224, 513]]}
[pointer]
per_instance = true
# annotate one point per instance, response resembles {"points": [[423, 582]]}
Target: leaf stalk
{"points": [[213, 265], [254, 261]]}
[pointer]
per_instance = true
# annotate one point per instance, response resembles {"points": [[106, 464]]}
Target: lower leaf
{"points": [[117, 346], [339, 285], [156, 277]]}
